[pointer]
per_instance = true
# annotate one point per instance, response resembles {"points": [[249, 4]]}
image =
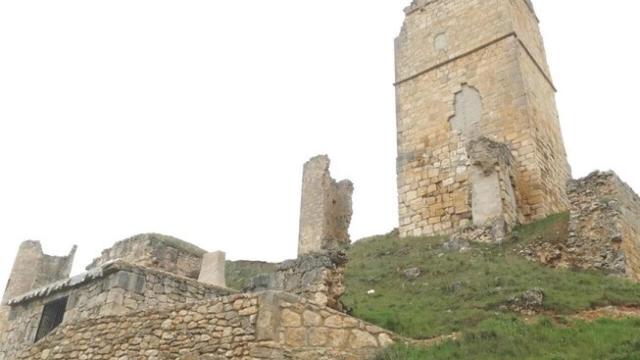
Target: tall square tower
{"points": [[478, 133]]}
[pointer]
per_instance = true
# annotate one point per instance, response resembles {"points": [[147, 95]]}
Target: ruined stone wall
{"points": [[318, 277], [493, 199], [604, 229], [118, 288], [326, 209], [156, 251], [259, 326], [462, 72], [604, 226], [33, 268]]}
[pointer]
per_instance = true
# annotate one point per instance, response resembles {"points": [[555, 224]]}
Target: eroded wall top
{"points": [[156, 251]]}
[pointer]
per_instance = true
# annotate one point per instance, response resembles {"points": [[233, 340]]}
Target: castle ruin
{"points": [[479, 151], [157, 297]]}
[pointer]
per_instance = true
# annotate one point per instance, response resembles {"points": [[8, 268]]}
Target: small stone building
{"points": [[142, 300], [157, 297]]}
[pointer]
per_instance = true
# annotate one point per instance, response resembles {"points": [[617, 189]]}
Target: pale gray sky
{"points": [[193, 118]]}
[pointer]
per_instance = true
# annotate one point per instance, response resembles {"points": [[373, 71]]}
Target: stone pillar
{"points": [[33, 269], [326, 209], [212, 270]]}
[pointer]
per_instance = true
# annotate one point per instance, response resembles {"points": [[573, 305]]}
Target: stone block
{"points": [[213, 269]]}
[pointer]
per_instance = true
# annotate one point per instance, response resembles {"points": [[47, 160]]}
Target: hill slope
{"points": [[503, 305]]}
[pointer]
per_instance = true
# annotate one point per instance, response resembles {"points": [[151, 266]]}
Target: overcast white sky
{"points": [[193, 118]]}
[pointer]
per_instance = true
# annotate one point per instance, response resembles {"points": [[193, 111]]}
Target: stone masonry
{"points": [[268, 325], [325, 212], [33, 269], [115, 288], [603, 229], [467, 70], [318, 277]]}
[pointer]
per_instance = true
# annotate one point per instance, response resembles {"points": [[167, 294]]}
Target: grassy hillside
{"points": [[457, 291], [472, 292], [510, 338]]}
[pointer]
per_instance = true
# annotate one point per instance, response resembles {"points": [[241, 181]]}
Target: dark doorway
{"points": [[52, 316]]}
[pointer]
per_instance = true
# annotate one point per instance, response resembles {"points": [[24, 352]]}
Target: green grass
{"points": [[458, 291], [465, 292], [510, 338]]}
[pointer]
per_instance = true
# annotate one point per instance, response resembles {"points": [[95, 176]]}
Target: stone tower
{"points": [[326, 209], [32, 269], [479, 139]]}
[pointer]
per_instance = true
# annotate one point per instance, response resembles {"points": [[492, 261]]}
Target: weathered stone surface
{"points": [[174, 333], [116, 288], [156, 251], [212, 270], [317, 276], [33, 269], [325, 212], [493, 200], [604, 229], [465, 70]]}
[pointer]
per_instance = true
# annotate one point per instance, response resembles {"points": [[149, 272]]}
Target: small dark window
{"points": [[52, 316]]}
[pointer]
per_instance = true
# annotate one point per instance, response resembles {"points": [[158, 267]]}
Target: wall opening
{"points": [[52, 316], [468, 112]]}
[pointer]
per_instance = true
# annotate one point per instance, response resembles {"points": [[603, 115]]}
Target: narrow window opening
{"points": [[52, 316]]}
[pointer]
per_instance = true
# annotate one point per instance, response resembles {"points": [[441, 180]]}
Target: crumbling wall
{"points": [[114, 289], [156, 251], [326, 209], [604, 229], [33, 268], [493, 199], [318, 277], [604, 225], [250, 326]]}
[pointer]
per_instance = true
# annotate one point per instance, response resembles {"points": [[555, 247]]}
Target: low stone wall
{"points": [[604, 229], [115, 289], [155, 251], [318, 277], [270, 325]]}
